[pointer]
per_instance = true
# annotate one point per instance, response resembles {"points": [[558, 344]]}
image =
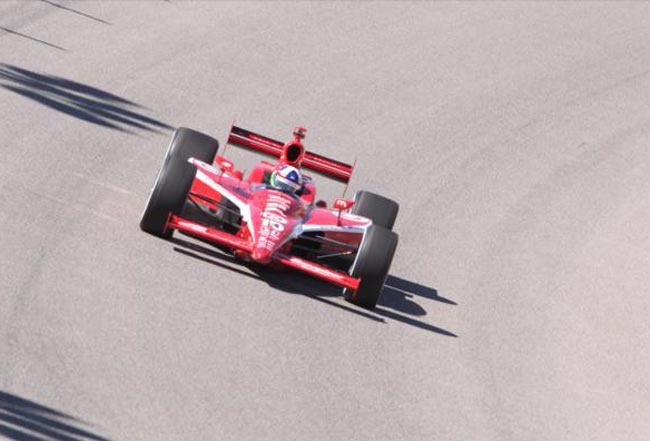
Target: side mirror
{"points": [[225, 164], [343, 204]]}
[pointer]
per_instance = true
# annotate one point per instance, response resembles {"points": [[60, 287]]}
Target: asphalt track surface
{"points": [[514, 135]]}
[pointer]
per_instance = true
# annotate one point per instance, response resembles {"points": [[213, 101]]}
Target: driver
{"points": [[286, 178]]}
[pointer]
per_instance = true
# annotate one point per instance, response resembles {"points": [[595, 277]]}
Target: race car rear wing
{"points": [[321, 164]]}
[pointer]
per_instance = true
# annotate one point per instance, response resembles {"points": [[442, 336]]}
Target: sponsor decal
{"points": [[341, 204], [274, 221]]}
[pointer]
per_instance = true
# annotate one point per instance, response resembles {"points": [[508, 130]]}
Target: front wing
{"points": [[220, 237]]}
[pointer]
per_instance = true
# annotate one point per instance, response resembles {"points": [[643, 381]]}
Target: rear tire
{"points": [[167, 196], [372, 264], [382, 211]]}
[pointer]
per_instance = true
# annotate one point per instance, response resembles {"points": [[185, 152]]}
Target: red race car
{"points": [[272, 216]]}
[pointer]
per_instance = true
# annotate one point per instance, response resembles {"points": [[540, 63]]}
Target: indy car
{"points": [[348, 243]]}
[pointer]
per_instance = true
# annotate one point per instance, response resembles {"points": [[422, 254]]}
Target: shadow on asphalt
{"points": [[397, 301], [24, 420], [78, 100]]}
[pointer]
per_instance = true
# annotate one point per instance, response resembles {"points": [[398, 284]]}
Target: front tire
{"points": [[372, 264], [187, 143], [175, 178], [167, 196]]}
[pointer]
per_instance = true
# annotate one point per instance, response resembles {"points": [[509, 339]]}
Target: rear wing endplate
{"points": [[321, 164]]}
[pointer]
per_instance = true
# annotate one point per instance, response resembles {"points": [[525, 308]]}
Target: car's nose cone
{"points": [[261, 255], [271, 222]]}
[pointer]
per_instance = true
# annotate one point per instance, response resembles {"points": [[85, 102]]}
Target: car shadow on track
{"points": [[396, 303], [400, 294], [78, 100], [25, 420]]}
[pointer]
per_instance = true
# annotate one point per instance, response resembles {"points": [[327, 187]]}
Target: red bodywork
{"points": [[334, 169], [273, 221]]}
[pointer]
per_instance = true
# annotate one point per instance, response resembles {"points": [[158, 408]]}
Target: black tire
{"points": [[372, 265], [187, 143], [382, 211], [167, 196]]}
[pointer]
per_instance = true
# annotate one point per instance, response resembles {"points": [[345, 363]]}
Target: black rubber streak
{"points": [[74, 11], [38, 40]]}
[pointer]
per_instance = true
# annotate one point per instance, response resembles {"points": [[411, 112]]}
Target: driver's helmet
{"points": [[286, 178]]}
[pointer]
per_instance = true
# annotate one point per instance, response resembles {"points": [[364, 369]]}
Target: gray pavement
{"points": [[514, 135]]}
